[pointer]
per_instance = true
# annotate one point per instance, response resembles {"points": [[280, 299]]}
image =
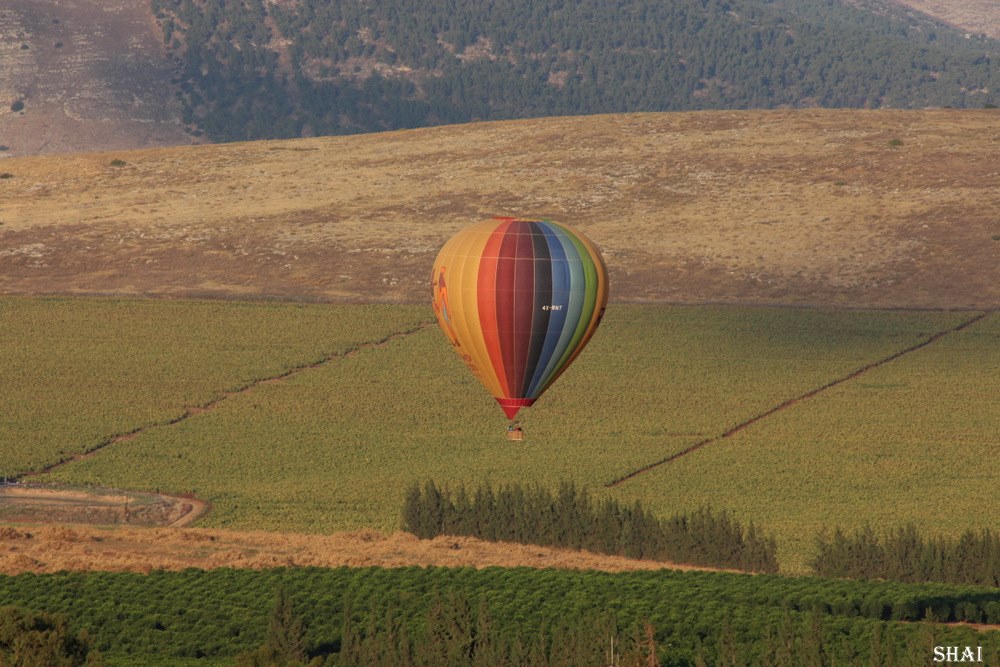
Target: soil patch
{"points": [[22, 503]]}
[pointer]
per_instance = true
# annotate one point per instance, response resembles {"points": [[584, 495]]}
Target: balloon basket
{"points": [[515, 435]]}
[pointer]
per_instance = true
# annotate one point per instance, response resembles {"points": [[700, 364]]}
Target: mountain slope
{"points": [[309, 67], [855, 208], [90, 74]]}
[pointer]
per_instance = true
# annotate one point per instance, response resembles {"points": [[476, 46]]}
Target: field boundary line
{"points": [[192, 410], [798, 399]]}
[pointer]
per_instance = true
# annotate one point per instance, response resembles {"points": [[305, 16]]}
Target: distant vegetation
{"points": [[694, 617], [572, 519], [906, 555], [252, 70]]}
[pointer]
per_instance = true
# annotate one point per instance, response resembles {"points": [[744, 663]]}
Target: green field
{"points": [[914, 440], [166, 618], [334, 448], [76, 372]]}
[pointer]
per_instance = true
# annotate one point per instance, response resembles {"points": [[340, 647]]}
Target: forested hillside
{"points": [[249, 69]]}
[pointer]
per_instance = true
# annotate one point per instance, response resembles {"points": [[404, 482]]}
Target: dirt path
{"points": [[22, 503], [194, 507], [798, 399]]}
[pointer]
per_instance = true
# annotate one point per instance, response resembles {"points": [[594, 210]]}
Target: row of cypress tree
{"points": [[905, 555], [571, 519]]}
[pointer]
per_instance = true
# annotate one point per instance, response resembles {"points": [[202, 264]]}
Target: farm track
{"points": [[198, 507], [798, 399]]}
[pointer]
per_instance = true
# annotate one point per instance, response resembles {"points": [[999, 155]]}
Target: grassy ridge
{"points": [[77, 371], [335, 448], [164, 617]]}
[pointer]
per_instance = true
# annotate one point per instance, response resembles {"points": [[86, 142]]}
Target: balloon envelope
{"points": [[519, 299]]}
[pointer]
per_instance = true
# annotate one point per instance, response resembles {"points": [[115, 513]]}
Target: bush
{"points": [[895, 143], [17, 106], [4, 176], [118, 163], [33, 638]]}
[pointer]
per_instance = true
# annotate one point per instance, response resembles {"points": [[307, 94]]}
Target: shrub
{"points": [[4, 176], [118, 163], [33, 638], [17, 106], [895, 143]]}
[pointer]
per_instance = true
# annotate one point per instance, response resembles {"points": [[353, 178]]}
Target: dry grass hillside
{"points": [[852, 208], [976, 16], [92, 74]]}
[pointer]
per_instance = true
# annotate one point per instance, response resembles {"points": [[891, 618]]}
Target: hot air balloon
{"points": [[519, 300]]}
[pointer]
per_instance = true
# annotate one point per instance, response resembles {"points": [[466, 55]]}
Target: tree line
{"points": [[570, 518], [904, 554]]}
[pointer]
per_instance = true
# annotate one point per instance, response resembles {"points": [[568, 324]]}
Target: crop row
{"points": [[224, 612], [335, 449], [76, 372], [913, 441]]}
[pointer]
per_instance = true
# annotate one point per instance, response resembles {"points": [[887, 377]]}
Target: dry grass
{"points": [[30, 548], [976, 16], [802, 207]]}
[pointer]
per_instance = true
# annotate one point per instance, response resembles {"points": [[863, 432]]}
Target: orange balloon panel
{"points": [[519, 299]]}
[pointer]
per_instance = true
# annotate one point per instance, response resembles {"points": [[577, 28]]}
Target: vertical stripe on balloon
{"points": [[519, 299]]}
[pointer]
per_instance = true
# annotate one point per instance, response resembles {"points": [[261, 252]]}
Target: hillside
{"points": [[91, 75], [256, 70], [974, 16], [850, 208]]}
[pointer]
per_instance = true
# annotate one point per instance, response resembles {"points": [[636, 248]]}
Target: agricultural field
{"points": [[78, 372], [335, 448], [914, 440], [137, 619]]}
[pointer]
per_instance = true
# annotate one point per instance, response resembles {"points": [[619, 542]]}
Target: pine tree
{"points": [[286, 631]]}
